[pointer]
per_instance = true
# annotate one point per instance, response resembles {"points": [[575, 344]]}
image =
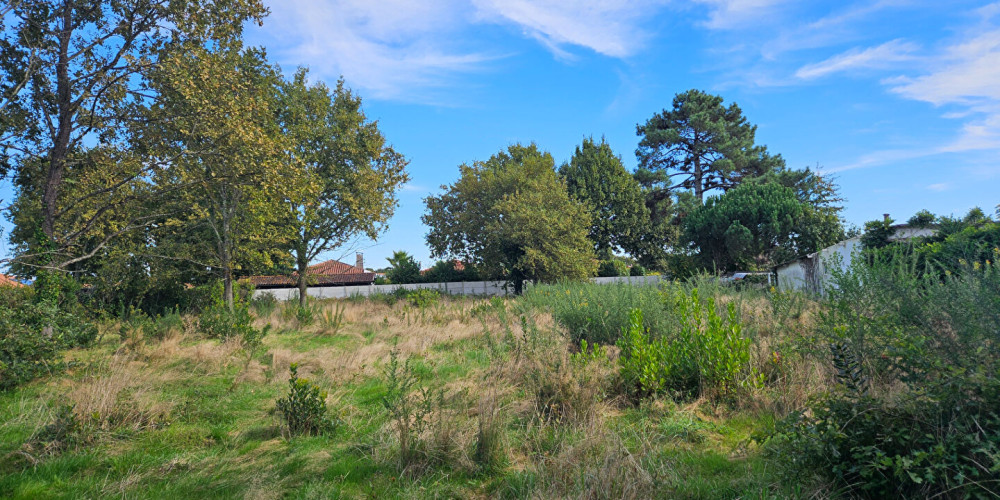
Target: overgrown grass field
{"points": [[571, 391]]}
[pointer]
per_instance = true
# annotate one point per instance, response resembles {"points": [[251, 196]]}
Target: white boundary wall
{"points": [[482, 288]]}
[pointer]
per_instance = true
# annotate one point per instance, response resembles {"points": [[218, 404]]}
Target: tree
{"points": [[227, 152], [744, 227], [74, 73], [701, 145], [351, 173], [512, 218], [820, 224], [596, 177], [403, 268]]}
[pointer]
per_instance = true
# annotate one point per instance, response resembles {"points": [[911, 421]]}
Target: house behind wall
{"points": [[812, 273]]}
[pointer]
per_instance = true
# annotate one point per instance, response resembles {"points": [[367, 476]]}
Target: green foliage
{"points": [[304, 409], [611, 268], [708, 356], [877, 233], [709, 146], [915, 412], [409, 404], [512, 218], [446, 271], [352, 173], [33, 331], [637, 270], [748, 227], [923, 218], [597, 313], [423, 298], [403, 268], [596, 177], [218, 321]]}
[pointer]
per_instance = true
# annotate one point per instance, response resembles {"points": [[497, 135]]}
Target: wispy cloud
{"points": [[941, 186], [419, 51], [610, 28], [734, 14], [880, 57], [393, 49]]}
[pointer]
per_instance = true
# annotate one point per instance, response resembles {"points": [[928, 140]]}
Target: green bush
{"points": [[423, 297], [916, 412], [33, 331], [217, 321], [304, 409], [637, 270], [611, 268], [708, 355]]}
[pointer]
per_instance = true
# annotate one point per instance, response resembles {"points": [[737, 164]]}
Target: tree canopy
{"points": [[596, 177], [351, 174], [512, 218], [744, 228], [702, 145], [74, 73]]}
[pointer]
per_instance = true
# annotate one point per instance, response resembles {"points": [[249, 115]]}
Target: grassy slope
{"points": [[189, 417]]}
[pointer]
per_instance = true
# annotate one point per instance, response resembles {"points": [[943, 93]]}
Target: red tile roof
{"points": [[10, 281], [329, 273], [331, 267]]}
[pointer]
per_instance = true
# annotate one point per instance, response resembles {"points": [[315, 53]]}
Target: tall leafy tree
{"points": [[748, 227], [596, 177], [351, 173], [74, 73], [512, 218], [702, 145], [227, 152]]}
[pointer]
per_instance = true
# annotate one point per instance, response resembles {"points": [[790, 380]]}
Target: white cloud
{"points": [[941, 186], [395, 49], [419, 51], [609, 28], [734, 14], [880, 57]]}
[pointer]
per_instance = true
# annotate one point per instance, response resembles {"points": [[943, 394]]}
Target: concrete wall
{"points": [[482, 288]]}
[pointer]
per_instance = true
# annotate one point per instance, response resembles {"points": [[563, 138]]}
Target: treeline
{"points": [[151, 150], [705, 197]]}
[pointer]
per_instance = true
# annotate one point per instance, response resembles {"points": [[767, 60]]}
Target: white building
{"points": [[812, 272]]}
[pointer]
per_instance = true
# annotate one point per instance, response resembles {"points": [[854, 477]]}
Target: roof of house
{"points": [[331, 267], [328, 273], [10, 281]]}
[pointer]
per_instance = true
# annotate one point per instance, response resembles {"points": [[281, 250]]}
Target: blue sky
{"points": [[899, 99]]}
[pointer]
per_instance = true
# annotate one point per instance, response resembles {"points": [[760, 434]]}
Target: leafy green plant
{"points": [[916, 409], [423, 298], [304, 409], [709, 355]]}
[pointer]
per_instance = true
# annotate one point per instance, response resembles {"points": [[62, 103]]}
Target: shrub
{"points": [[217, 321], [637, 270], [33, 330], [423, 298], [916, 411], [708, 355], [304, 409], [611, 268]]}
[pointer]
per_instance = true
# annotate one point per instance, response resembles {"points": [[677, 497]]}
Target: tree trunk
{"points": [[226, 260], [698, 175], [302, 278], [60, 143]]}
